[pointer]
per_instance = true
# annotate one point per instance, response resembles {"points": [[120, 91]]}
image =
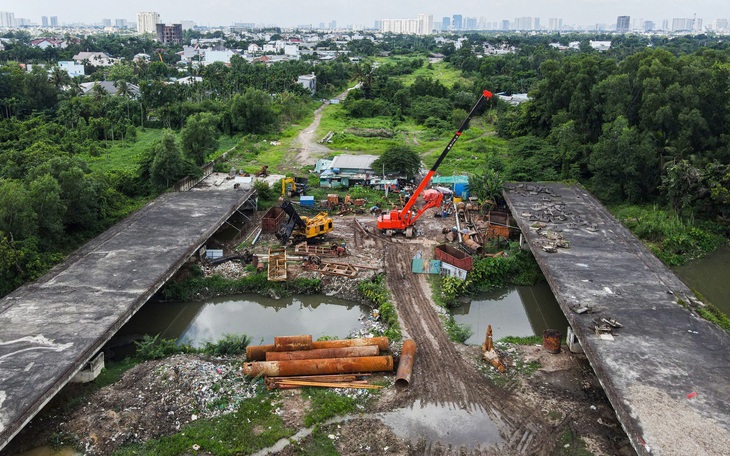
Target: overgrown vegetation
{"points": [[193, 288], [377, 293], [459, 333], [153, 347], [518, 267]]}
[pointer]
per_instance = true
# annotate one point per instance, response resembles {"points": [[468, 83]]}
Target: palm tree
{"points": [[123, 90], [59, 78], [99, 92]]}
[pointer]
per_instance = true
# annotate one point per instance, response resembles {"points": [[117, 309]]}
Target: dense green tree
{"points": [[168, 165], [623, 164], [199, 137], [400, 160], [253, 112]]}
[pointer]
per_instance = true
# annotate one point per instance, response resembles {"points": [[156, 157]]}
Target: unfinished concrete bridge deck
{"points": [[666, 372], [51, 328]]}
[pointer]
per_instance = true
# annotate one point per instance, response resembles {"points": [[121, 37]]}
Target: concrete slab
{"points": [[667, 371], [51, 328]]}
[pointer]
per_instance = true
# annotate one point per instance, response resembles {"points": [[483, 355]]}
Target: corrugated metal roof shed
{"points": [[346, 161], [459, 179]]}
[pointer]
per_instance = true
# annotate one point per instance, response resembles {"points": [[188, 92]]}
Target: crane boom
{"points": [[403, 219]]}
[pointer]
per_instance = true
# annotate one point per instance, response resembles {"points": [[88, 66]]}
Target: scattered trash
{"points": [[691, 395], [196, 447]]}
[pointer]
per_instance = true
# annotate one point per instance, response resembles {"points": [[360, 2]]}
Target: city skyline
{"points": [[287, 13]]}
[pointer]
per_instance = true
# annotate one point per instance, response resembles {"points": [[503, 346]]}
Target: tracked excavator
{"points": [[404, 220], [300, 229]]}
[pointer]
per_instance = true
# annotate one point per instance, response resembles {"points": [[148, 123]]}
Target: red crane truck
{"points": [[403, 220]]}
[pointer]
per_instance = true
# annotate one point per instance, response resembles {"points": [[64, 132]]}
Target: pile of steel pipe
{"points": [[319, 366], [258, 352], [405, 366]]}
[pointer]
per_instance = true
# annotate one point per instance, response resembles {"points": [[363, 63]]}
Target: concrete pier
{"points": [[665, 370], [51, 328]]}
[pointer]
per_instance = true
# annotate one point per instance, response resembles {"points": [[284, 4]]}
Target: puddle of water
{"points": [[513, 311], [446, 425], [711, 277], [259, 317]]}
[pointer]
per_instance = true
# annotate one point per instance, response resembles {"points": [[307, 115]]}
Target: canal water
{"points": [[710, 276], [512, 311], [259, 317]]}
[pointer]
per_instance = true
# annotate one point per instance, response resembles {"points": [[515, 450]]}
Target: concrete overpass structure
{"points": [[51, 328], [665, 370]]}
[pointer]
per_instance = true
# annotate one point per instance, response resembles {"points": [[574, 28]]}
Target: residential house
{"points": [[347, 170], [253, 48], [72, 68], [308, 81], [87, 88], [45, 43], [211, 56], [94, 58]]}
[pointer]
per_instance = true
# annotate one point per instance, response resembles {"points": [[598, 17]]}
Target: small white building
{"points": [[95, 58], [308, 81], [72, 68], [210, 56], [291, 49]]}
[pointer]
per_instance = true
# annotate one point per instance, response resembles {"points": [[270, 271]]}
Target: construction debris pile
{"points": [[296, 361]]}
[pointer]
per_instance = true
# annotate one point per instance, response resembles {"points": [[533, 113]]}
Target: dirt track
{"points": [[441, 375]]}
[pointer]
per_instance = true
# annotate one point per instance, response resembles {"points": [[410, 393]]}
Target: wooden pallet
{"points": [[277, 265], [306, 249], [339, 269]]}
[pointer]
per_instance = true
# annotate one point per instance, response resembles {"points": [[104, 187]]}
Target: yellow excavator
{"points": [[300, 229], [293, 186]]}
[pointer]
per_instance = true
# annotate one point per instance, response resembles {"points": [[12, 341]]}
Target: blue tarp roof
{"points": [[451, 179]]}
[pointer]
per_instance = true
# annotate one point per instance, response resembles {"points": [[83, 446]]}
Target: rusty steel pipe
{"points": [[322, 353], [291, 343], [405, 366], [319, 366], [258, 352]]}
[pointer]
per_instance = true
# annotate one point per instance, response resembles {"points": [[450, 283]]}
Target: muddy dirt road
{"points": [[441, 375]]}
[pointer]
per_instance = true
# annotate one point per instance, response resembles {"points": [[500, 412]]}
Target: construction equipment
{"points": [[293, 186], [403, 220], [300, 229]]}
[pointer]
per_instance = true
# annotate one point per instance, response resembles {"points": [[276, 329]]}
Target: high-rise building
{"points": [[333, 25], [505, 24], [721, 24], [44, 21], [682, 24], [623, 23], [7, 19], [458, 25], [425, 24], [555, 24], [470, 23], [54, 21], [106, 22], [169, 34], [147, 22], [648, 26], [445, 23], [537, 24], [697, 25], [189, 25], [523, 23], [665, 24], [120, 23]]}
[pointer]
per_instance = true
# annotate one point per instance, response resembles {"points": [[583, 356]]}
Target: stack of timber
{"points": [[296, 361]]}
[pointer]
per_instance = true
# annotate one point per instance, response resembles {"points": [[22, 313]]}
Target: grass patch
{"points": [[317, 444], [252, 427], [714, 315], [118, 157], [572, 445], [326, 404], [377, 293], [527, 340], [457, 332]]}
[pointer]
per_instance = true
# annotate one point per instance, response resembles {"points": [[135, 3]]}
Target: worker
{"points": [[374, 210]]}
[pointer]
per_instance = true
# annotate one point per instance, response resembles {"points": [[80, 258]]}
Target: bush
{"points": [[155, 348], [231, 344], [264, 190]]}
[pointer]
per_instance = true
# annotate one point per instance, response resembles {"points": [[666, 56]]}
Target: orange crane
{"points": [[403, 220]]}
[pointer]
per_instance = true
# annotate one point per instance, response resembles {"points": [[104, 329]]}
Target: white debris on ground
{"points": [[229, 270], [157, 398]]}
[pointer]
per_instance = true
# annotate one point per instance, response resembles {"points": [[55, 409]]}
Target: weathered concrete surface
{"points": [[663, 352], [51, 328]]}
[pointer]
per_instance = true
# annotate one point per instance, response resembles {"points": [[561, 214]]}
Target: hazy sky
{"points": [[290, 12]]}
